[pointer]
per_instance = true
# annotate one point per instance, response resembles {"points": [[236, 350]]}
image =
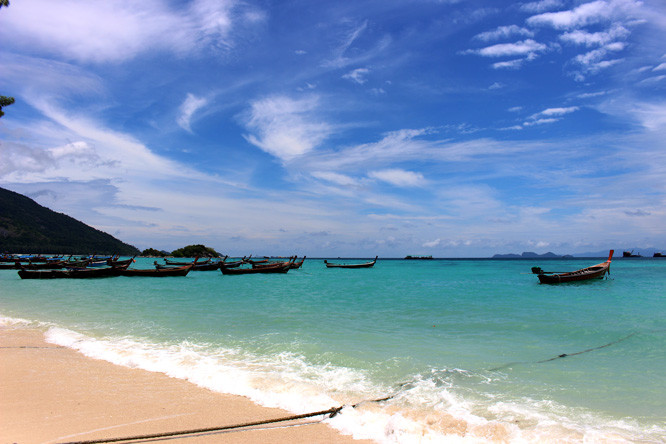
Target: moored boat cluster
{"points": [[54, 267]]}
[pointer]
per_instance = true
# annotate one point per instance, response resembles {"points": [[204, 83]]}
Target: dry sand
{"points": [[53, 394]]}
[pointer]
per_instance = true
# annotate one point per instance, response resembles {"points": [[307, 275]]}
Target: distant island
{"points": [[531, 255], [420, 258], [27, 227]]}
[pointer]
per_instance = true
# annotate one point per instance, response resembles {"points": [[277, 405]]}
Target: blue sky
{"points": [[352, 128]]}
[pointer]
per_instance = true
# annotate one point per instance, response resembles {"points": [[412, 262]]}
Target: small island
{"points": [[532, 255]]}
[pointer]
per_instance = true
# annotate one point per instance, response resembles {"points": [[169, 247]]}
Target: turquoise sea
{"points": [[465, 347]]}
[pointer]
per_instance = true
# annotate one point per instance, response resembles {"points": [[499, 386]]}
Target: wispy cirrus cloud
{"points": [[596, 60], [89, 31], [581, 25], [581, 37], [587, 14], [524, 50], [541, 6], [527, 48], [399, 177], [557, 111], [357, 75], [504, 32], [336, 178], [187, 109], [285, 127], [351, 52], [549, 115]]}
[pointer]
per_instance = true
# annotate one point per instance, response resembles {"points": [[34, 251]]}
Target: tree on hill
{"points": [[151, 252], [195, 250]]}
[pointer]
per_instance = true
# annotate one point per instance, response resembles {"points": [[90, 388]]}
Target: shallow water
{"points": [[465, 346]]}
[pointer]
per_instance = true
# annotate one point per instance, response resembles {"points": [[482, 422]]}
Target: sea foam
{"points": [[426, 410]]}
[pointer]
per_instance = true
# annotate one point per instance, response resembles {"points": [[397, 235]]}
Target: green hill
{"points": [[27, 227]]}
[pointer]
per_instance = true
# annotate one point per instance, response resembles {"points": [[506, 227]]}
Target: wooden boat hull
{"points": [[364, 265], [238, 271], [584, 274], [158, 271], [71, 273]]}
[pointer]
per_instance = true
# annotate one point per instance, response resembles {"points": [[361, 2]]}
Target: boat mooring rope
{"points": [[326, 414], [330, 413], [564, 355]]}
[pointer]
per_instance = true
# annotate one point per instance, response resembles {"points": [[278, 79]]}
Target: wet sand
{"points": [[52, 394]]}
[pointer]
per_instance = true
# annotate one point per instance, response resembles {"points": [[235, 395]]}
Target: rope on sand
{"points": [[333, 411]]}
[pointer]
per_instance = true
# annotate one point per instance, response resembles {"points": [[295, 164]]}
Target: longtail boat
{"points": [[158, 271], [274, 264], [234, 264], [50, 265], [277, 268], [594, 272], [211, 266], [297, 265], [72, 273], [253, 262], [118, 263], [363, 265]]}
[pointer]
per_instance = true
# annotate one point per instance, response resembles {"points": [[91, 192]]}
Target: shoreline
{"points": [[50, 393]]}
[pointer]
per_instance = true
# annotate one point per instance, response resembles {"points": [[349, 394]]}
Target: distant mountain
{"points": [[27, 227], [529, 255]]}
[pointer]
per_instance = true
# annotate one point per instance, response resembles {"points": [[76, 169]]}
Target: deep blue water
{"points": [[461, 343]]}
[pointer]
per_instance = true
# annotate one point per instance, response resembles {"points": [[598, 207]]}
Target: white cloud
{"points": [[284, 127], [509, 64], [339, 60], [541, 6], [101, 31], [661, 67], [191, 104], [110, 152], [558, 111], [596, 38], [651, 115], [652, 80], [47, 77], [503, 32], [524, 48], [357, 75], [399, 177], [592, 61], [540, 121], [432, 244], [547, 116], [587, 14]]}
